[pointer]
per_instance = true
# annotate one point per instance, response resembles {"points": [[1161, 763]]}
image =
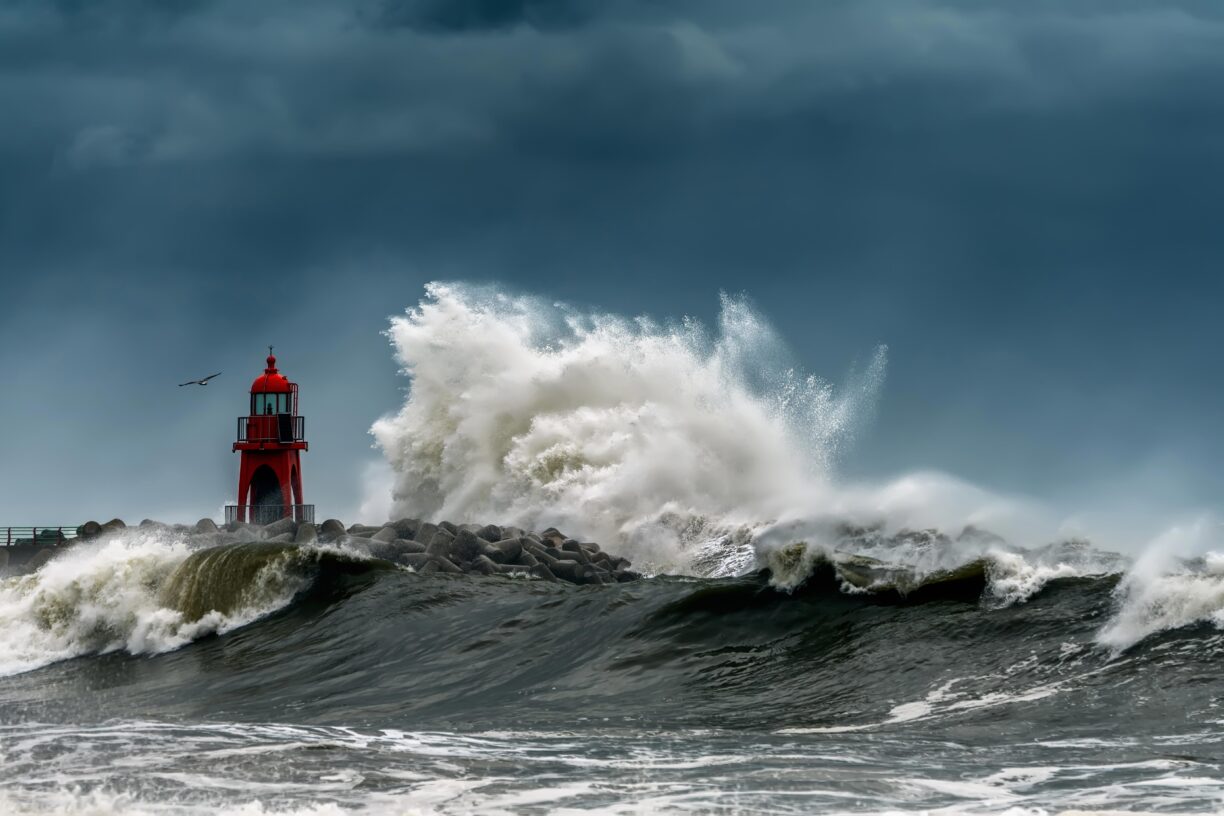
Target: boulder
{"points": [[406, 545], [467, 546], [386, 534], [415, 560], [440, 543], [570, 571], [425, 532], [483, 565], [543, 573], [4, 558], [88, 530], [375, 549], [448, 527], [205, 541], [490, 532], [205, 525], [279, 527], [114, 525], [331, 530], [283, 538], [532, 546], [505, 551], [444, 565], [593, 575], [553, 536], [575, 550], [406, 527], [542, 555], [307, 533]]}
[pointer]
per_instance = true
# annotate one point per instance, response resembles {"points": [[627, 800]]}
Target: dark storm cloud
{"points": [[476, 15], [201, 80], [1001, 191]]}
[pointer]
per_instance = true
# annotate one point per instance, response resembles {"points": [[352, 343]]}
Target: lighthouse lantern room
{"points": [[271, 439]]}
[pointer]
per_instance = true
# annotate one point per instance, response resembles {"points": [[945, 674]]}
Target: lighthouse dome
{"points": [[271, 381]]}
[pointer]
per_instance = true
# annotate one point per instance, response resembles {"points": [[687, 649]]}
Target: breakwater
{"points": [[425, 547]]}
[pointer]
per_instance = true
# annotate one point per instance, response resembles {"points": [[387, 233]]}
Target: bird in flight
{"points": [[203, 381]]}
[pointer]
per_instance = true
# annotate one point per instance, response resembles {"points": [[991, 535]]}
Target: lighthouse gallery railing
{"points": [[285, 428]]}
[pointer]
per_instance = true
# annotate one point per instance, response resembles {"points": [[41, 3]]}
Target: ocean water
{"points": [[798, 644], [336, 683]]}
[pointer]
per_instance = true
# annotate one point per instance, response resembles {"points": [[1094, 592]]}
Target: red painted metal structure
{"points": [[271, 440]]}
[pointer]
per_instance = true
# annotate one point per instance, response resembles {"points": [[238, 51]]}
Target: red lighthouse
{"points": [[271, 439]]}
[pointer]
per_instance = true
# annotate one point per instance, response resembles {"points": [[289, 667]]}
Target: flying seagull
{"points": [[200, 382]]}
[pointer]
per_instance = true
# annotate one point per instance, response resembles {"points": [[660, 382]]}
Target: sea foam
{"points": [[1178, 581], [691, 450], [629, 431], [106, 596]]}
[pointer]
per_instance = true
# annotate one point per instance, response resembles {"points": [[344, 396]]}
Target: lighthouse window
{"points": [[268, 404]]}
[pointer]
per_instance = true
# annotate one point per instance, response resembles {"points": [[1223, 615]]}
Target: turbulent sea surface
{"points": [[337, 683], [800, 644]]}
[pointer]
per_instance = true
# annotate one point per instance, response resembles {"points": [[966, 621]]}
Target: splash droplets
{"points": [[536, 414]]}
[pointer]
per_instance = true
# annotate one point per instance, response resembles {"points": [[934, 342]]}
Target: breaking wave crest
{"points": [[867, 561], [144, 592], [624, 430], [691, 451], [1177, 582]]}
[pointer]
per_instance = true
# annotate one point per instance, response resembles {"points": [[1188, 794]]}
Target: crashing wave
{"points": [[673, 444], [144, 591], [1188, 593], [624, 431], [868, 561]]}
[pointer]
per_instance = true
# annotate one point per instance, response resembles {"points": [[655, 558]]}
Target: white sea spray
{"points": [[624, 430], [104, 596], [1177, 581], [692, 451]]}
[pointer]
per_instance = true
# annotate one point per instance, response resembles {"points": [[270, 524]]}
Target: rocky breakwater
{"points": [[475, 549], [425, 547]]}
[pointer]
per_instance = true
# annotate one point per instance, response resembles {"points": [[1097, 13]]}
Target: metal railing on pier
{"points": [[268, 513], [48, 536]]}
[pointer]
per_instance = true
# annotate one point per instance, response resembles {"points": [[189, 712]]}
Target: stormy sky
{"points": [[1021, 199]]}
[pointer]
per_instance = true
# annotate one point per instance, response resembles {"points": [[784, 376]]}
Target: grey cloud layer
{"points": [[114, 83], [1018, 197]]}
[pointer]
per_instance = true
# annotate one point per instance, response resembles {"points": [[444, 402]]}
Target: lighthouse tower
{"points": [[271, 440]]}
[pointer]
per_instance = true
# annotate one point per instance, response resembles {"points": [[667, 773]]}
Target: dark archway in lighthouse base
{"points": [[267, 499]]}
